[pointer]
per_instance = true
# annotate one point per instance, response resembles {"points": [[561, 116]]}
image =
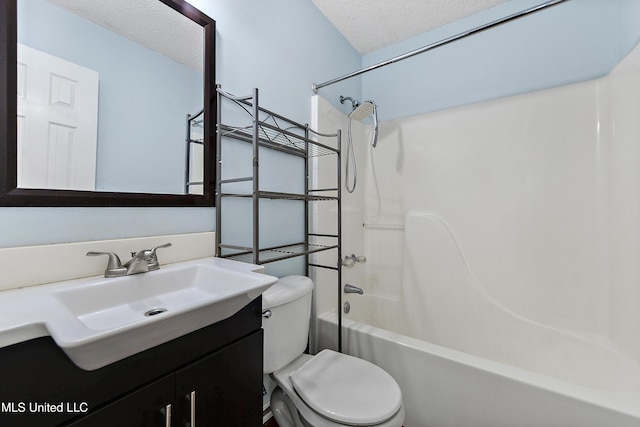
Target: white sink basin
{"points": [[113, 303], [98, 321]]}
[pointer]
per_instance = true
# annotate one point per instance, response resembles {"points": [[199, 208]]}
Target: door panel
{"points": [[57, 122], [146, 407], [227, 385]]}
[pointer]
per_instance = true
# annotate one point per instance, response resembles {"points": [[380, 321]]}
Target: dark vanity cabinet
{"points": [[144, 407], [211, 377]]}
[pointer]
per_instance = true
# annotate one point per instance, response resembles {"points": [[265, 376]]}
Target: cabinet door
{"points": [[147, 407], [224, 388]]}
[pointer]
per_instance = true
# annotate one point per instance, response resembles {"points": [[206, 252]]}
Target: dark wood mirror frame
{"points": [[10, 195]]}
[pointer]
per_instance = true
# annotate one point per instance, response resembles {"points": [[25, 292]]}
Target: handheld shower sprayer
{"points": [[359, 112], [364, 110]]}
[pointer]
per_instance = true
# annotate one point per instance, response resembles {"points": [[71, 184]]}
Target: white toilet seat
{"points": [[323, 404], [346, 389]]}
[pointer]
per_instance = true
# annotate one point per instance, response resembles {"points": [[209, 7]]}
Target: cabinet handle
{"points": [[167, 415], [192, 399]]}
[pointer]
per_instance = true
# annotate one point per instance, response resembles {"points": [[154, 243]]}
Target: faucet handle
{"points": [[166, 245], [350, 260], [114, 266], [153, 262]]}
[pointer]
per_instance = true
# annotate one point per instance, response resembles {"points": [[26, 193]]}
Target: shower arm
{"points": [[354, 103]]}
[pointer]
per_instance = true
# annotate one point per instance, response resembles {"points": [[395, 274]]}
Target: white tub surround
{"points": [[532, 205], [508, 231], [327, 118], [454, 310]]}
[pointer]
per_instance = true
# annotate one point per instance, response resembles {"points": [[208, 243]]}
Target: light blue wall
{"points": [[283, 46], [279, 46], [575, 41]]}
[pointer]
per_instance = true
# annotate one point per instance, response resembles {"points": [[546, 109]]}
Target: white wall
{"points": [[327, 119]]}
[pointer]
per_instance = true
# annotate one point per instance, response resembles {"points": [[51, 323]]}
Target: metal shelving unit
{"points": [[265, 129], [194, 138]]}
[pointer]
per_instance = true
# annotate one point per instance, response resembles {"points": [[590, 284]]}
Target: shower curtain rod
{"points": [[442, 42]]}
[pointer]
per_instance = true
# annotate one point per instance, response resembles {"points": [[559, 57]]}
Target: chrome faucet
{"points": [[140, 262], [143, 261]]}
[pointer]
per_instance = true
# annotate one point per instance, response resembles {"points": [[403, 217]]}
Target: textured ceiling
{"points": [[147, 22], [373, 24], [367, 24]]}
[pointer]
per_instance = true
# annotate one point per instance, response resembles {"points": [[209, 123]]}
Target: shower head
{"points": [[361, 112]]}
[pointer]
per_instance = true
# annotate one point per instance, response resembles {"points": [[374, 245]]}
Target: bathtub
{"points": [[447, 388]]}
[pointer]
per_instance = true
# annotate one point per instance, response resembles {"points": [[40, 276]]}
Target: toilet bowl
{"points": [[329, 389]]}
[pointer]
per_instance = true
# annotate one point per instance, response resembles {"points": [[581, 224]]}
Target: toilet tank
{"points": [[286, 331]]}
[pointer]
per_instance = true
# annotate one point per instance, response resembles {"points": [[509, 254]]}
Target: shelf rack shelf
{"points": [[271, 136], [282, 196], [278, 253]]}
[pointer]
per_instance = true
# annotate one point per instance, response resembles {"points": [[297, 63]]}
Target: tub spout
{"points": [[350, 289]]}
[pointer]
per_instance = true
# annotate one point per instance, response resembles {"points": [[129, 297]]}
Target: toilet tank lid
{"points": [[286, 289]]}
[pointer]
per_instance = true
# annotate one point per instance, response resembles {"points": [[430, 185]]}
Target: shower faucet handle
{"points": [[347, 262], [350, 260]]}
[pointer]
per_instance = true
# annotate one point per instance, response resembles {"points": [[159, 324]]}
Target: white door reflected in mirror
{"points": [[57, 122]]}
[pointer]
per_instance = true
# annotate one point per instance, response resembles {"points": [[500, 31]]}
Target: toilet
{"points": [[329, 389]]}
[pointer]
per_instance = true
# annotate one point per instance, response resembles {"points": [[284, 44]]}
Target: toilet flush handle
{"points": [[266, 314]]}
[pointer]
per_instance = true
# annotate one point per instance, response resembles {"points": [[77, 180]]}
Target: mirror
{"points": [[133, 107]]}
